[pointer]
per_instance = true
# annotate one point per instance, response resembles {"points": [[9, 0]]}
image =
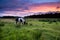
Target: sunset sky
{"points": [[27, 7]]}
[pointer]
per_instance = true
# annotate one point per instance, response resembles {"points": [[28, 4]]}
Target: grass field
{"points": [[36, 29]]}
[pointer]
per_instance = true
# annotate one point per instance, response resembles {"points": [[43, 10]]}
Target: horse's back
{"points": [[16, 19]]}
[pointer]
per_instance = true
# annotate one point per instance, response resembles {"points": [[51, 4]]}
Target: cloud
{"points": [[23, 7], [45, 7], [58, 7], [1, 12], [13, 4]]}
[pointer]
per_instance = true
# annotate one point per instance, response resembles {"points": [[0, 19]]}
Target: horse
{"points": [[20, 20]]}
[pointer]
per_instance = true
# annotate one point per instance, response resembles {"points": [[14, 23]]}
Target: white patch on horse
{"points": [[21, 20]]}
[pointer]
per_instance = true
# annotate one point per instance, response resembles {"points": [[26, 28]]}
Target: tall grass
{"points": [[35, 30]]}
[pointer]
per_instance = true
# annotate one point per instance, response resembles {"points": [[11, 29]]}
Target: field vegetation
{"points": [[35, 29]]}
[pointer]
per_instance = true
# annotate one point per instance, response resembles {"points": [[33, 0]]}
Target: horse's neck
{"points": [[19, 19]]}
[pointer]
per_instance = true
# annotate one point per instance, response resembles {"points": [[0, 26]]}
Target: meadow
{"points": [[35, 29]]}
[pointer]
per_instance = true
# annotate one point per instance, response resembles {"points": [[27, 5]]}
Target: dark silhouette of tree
{"points": [[49, 15]]}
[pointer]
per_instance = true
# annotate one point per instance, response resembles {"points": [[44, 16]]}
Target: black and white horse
{"points": [[20, 20]]}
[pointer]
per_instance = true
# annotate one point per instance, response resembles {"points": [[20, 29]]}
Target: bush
{"points": [[44, 20], [2, 23], [1, 33], [54, 21], [18, 25], [58, 20], [50, 22], [30, 24]]}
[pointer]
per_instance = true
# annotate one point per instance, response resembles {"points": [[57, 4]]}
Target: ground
{"points": [[35, 29]]}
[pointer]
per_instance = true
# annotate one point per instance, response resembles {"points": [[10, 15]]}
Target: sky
{"points": [[27, 7]]}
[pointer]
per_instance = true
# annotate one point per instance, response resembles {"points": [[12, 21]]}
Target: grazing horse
{"points": [[20, 20]]}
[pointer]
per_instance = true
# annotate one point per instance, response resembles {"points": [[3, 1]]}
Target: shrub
{"points": [[1, 33], [2, 23], [30, 24], [58, 20], [50, 22], [44, 20], [18, 25], [54, 21]]}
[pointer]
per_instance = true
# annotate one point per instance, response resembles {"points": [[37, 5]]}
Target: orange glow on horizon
{"points": [[44, 8]]}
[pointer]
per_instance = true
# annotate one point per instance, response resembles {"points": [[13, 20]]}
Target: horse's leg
{"points": [[20, 23], [25, 22], [16, 22]]}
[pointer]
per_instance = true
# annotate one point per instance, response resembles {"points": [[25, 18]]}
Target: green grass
{"points": [[36, 29]]}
